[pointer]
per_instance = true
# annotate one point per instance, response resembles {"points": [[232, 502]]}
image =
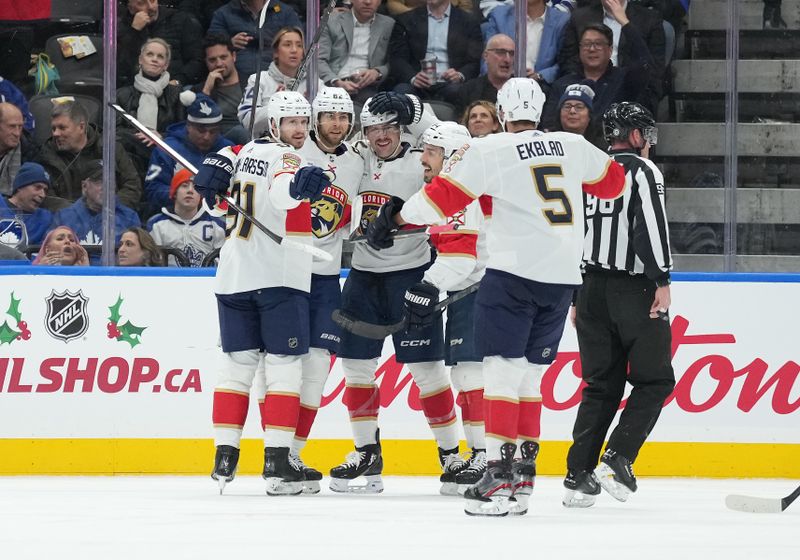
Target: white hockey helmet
{"points": [[285, 104], [370, 119], [520, 99], [447, 135], [333, 100]]}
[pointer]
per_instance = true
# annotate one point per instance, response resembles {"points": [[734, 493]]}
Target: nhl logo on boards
{"points": [[66, 317]]}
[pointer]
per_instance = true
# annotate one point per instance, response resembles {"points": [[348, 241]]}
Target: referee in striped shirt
{"points": [[621, 315]]}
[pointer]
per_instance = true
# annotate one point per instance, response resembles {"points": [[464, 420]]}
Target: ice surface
{"points": [[149, 518]]}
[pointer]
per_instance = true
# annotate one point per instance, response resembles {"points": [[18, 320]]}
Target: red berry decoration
{"points": [[19, 337], [26, 335], [23, 325]]}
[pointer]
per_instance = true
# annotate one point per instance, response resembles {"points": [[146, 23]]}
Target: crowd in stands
{"points": [[188, 70]]}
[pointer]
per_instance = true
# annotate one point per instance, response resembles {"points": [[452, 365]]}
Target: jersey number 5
{"points": [[556, 216], [244, 197]]}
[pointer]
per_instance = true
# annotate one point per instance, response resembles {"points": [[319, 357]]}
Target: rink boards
{"points": [[104, 374]]}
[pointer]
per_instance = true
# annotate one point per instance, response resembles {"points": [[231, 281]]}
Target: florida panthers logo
{"points": [[371, 203], [326, 213]]}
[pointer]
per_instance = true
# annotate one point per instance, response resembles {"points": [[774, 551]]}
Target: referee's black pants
{"points": [[619, 342]]}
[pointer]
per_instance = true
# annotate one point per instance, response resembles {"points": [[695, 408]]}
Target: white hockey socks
{"points": [[468, 381], [232, 395], [436, 398], [282, 400], [316, 366], [362, 398], [501, 400]]}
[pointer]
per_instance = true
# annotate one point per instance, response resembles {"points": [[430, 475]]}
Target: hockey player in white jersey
{"points": [[374, 293], [534, 247], [460, 262], [333, 120], [262, 288]]}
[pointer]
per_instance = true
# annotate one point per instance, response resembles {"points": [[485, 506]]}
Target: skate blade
{"points": [[221, 482], [575, 499], [311, 487], [605, 476], [463, 488], [372, 485], [494, 507], [518, 504], [450, 489], [278, 487]]}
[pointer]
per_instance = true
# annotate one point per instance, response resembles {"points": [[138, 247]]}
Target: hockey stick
{"points": [[379, 332], [313, 46], [260, 55], [432, 230], [288, 243], [752, 504]]}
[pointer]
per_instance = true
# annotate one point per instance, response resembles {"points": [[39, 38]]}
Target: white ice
{"points": [[150, 518]]}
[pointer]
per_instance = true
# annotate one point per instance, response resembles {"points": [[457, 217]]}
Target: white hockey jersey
{"points": [[535, 180], [195, 237], [399, 176], [332, 212], [249, 260]]}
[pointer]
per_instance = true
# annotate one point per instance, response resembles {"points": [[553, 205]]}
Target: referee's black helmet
{"points": [[622, 118]]}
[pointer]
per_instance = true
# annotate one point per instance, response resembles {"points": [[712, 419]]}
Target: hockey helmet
{"points": [[285, 104], [622, 118], [371, 119], [447, 135], [333, 100], [520, 99]]}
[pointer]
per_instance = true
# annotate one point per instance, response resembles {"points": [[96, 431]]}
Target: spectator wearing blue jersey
{"points": [[9, 93], [22, 220], [85, 215], [193, 139]]}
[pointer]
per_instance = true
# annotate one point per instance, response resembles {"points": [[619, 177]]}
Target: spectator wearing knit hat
{"points": [[186, 226], [22, 220], [193, 139], [85, 215], [575, 114]]}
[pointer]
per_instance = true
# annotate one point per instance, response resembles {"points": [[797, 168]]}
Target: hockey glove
{"points": [[380, 230], [420, 305], [213, 177], [407, 107], [309, 182]]}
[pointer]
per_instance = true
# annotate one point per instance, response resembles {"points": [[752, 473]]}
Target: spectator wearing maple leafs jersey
{"points": [[199, 135], [85, 216]]}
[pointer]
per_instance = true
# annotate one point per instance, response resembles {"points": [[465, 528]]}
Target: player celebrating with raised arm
{"points": [[623, 327], [262, 288], [373, 292], [534, 247]]}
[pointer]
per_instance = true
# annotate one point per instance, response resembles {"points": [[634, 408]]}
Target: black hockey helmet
{"points": [[622, 118]]}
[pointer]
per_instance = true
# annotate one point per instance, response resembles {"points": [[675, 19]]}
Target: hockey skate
{"points": [[311, 476], [226, 461], [452, 464], [282, 472], [490, 496], [476, 466], [365, 462], [615, 475], [582, 489], [524, 471]]}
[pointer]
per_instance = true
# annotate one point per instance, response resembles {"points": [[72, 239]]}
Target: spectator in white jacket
{"points": [[186, 227]]}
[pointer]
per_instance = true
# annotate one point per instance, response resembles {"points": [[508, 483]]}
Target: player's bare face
{"points": [[481, 122], [432, 160], [332, 128], [384, 139], [294, 131]]}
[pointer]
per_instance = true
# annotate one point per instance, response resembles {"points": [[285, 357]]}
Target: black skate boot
{"points": [[282, 472], [365, 461], [452, 464], [524, 471], [226, 461], [311, 476], [490, 496], [582, 488], [476, 466], [615, 475]]}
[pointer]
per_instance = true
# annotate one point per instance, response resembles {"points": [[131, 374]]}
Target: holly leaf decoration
{"points": [[130, 333], [13, 308], [114, 310], [8, 334]]}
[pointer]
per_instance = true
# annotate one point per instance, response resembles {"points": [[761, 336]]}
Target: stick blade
{"points": [[752, 504]]}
